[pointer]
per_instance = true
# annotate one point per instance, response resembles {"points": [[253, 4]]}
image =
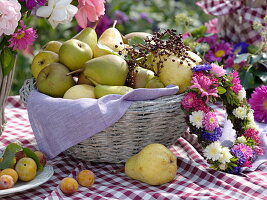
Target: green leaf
{"points": [[135, 41], [7, 60], [107, 49], [247, 79], [252, 49], [255, 58], [241, 57], [262, 76], [29, 153], [199, 32], [221, 90], [9, 155]]}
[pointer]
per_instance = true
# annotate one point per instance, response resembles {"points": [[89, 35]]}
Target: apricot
{"points": [[41, 156], [69, 185], [26, 169], [86, 178], [6, 182], [11, 172]]}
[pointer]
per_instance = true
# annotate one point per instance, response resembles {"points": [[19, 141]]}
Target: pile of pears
{"points": [[86, 66]]}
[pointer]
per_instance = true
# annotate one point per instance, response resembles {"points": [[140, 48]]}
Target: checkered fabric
{"points": [[194, 180], [236, 18]]}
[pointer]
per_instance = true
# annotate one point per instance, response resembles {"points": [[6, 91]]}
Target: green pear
{"points": [[80, 91], [154, 83], [102, 90], [154, 164], [88, 36], [52, 46], [54, 81], [74, 53], [111, 38], [41, 60], [142, 35], [142, 76], [106, 70], [83, 80]]}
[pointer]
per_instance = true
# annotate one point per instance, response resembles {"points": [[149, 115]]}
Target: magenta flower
{"points": [[189, 100], [247, 152], [253, 134], [217, 70], [236, 82], [258, 102], [212, 26], [22, 38], [211, 40], [218, 52], [210, 121], [206, 85], [30, 4], [229, 62]]}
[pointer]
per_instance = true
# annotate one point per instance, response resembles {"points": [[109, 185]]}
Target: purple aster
{"points": [[211, 40], [236, 82], [210, 121], [229, 62], [218, 52], [241, 47], [258, 102], [204, 67], [30, 4], [239, 155], [234, 170], [146, 17], [212, 136], [121, 17]]}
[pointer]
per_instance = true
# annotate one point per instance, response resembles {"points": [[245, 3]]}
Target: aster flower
{"points": [[196, 118], [229, 62], [258, 102], [189, 100], [211, 40], [218, 52], [225, 155], [217, 70], [239, 155], [212, 136], [241, 94], [212, 26], [253, 134], [241, 47], [240, 112], [204, 67], [236, 82], [206, 85], [30, 4], [241, 139], [210, 121], [121, 17], [22, 38], [213, 151], [247, 152], [234, 170]]}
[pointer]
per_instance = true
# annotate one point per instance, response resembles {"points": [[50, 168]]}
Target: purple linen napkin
{"points": [[62, 123]]}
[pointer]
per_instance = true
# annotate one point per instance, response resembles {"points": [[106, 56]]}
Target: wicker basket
{"points": [[145, 122]]}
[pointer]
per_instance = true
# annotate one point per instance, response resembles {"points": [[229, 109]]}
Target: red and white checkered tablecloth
{"points": [[194, 180]]}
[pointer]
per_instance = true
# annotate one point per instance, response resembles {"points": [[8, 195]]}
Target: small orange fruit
{"points": [[69, 185], [86, 178]]}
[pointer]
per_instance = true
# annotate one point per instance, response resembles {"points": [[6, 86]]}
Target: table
{"points": [[194, 180]]}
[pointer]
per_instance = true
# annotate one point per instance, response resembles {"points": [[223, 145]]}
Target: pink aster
{"points": [[22, 38], [217, 70], [253, 134], [189, 100], [218, 52], [210, 121], [212, 26], [205, 84], [247, 151], [258, 102], [236, 82], [211, 40]]}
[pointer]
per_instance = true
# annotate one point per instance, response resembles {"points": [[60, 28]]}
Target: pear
{"points": [[154, 164], [102, 90], [54, 81], [154, 83], [52, 46], [88, 36], [106, 70], [111, 38], [41, 60], [83, 80], [142, 76], [132, 35], [80, 91], [74, 53]]}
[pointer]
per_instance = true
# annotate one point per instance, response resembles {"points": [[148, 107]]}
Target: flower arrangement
{"points": [[210, 84], [14, 34]]}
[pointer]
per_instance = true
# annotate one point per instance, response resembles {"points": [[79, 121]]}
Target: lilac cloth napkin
{"points": [[62, 123]]}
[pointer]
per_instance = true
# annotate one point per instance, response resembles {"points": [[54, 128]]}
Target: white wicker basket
{"points": [[145, 122]]}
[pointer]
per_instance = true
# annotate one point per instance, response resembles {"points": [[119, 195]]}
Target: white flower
{"points": [[196, 118], [59, 12], [213, 151], [225, 155], [240, 112], [241, 94], [241, 139], [223, 166]]}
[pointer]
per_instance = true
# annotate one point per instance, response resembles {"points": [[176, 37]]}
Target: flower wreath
{"points": [[211, 83]]}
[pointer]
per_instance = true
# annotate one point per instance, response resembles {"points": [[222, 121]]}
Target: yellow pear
{"points": [[88, 36], [53, 46], [80, 91], [102, 90], [41, 60], [111, 38], [154, 164]]}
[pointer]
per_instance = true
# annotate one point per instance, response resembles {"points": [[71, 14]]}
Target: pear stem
{"points": [[75, 71], [114, 24], [96, 23]]}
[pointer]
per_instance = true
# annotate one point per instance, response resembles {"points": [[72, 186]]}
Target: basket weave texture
{"points": [[145, 122]]}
